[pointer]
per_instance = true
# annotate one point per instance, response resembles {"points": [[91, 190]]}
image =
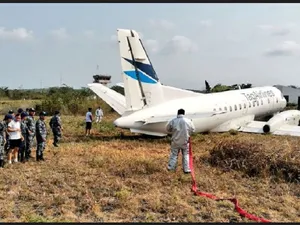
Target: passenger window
{"points": [[214, 110], [240, 106], [245, 105], [254, 104], [225, 108], [261, 102], [220, 109], [235, 107], [230, 109], [268, 101], [276, 100], [257, 103]]}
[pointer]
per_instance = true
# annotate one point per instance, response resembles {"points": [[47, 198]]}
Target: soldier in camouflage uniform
{"points": [[24, 131], [30, 133], [55, 124], [2, 142], [41, 135], [6, 121]]}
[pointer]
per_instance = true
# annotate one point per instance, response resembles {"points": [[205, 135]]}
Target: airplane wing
{"points": [[111, 97], [162, 119], [257, 127]]}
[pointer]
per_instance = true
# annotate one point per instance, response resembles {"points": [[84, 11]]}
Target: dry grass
{"points": [[272, 158], [123, 178]]}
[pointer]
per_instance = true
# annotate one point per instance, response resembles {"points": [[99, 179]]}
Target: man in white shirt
{"points": [[88, 122], [15, 138], [99, 114]]}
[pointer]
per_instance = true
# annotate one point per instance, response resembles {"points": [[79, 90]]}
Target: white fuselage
{"points": [[244, 103]]}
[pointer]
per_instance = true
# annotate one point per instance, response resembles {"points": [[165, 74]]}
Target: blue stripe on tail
{"points": [[144, 78], [146, 68]]}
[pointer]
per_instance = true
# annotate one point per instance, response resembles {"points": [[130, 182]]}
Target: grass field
{"points": [[116, 176]]}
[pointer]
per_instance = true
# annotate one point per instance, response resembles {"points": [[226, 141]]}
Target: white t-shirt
{"points": [[99, 112], [88, 117], [15, 134]]}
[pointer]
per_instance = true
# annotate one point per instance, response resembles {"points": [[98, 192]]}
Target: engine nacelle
{"points": [[290, 117]]}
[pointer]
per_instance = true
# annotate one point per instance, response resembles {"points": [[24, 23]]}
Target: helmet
{"points": [[43, 113]]}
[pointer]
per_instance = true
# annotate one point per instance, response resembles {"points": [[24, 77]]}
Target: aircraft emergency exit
{"points": [[148, 105]]}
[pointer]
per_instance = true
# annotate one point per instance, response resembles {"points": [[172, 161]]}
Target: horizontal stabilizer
{"points": [[111, 97]]}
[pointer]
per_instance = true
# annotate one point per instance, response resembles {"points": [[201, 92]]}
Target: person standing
{"points": [[41, 135], [6, 121], [181, 129], [55, 124], [15, 138], [99, 114], [24, 131], [88, 122], [2, 142], [30, 133]]}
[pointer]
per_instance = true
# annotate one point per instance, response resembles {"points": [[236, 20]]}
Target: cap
{"points": [[56, 112], [43, 113], [8, 116], [24, 114], [10, 111], [31, 110], [20, 110]]}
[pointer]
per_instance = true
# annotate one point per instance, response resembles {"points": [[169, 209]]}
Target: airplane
{"points": [[148, 105]]}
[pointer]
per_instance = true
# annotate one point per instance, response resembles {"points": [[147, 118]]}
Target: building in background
{"points": [[291, 93]]}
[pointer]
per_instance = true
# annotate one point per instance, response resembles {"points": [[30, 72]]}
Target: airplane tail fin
{"points": [[141, 84]]}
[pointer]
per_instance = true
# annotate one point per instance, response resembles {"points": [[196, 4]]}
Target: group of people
{"points": [[18, 131]]}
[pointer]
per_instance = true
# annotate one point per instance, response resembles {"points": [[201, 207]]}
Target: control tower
{"points": [[102, 79]]}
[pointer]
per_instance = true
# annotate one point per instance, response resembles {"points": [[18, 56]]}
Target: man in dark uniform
{"points": [[24, 132], [55, 124], [30, 133], [41, 135], [7, 119], [2, 142]]}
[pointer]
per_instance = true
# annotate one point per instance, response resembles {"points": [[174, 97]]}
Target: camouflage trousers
{"points": [[2, 149], [40, 147], [29, 143], [22, 150], [56, 135]]}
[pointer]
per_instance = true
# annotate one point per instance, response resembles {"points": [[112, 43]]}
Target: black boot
{"points": [[42, 157], [2, 163], [37, 158]]}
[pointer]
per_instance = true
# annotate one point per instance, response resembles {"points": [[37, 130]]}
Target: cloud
{"points": [[152, 45], [60, 34], [161, 24], [179, 44], [17, 34], [277, 30], [206, 23], [287, 48]]}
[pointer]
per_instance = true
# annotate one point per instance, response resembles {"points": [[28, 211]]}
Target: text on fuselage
{"points": [[255, 95]]}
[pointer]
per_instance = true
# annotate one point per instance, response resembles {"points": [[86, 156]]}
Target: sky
{"points": [[46, 45]]}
